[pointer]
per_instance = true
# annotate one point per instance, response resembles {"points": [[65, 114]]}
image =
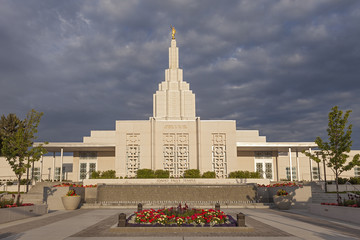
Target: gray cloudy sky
{"points": [[276, 66]]}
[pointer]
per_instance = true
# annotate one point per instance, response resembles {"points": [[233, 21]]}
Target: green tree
{"points": [[8, 127], [334, 153], [18, 148]]}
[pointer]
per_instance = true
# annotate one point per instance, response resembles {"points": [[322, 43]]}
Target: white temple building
{"points": [[176, 139]]}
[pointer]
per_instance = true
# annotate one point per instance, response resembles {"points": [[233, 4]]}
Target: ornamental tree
{"points": [[8, 126], [334, 153], [18, 148]]}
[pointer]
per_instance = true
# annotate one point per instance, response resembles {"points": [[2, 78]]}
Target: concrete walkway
{"points": [[93, 224]]}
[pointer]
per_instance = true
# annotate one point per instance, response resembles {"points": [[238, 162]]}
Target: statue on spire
{"points": [[173, 31]]}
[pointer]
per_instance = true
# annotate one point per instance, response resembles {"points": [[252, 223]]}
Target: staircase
{"points": [[36, 193], [319, 195]]}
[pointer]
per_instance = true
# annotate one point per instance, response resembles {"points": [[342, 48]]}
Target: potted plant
{"points": [[71, 200], [282, 200]]}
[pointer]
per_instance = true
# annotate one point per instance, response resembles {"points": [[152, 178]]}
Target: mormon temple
{"points": [[175, 139]]}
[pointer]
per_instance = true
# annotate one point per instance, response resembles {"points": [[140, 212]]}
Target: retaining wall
{"points": [[17, 213], [343, 187], [174, 194], [349, 214]]}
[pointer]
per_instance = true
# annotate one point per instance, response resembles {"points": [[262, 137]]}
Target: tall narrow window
{"points": [[357, 171], [315, 173], [293, 173], [36, 173]]}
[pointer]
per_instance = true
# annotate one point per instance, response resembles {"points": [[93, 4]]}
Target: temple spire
{"points": [[174, 100]]}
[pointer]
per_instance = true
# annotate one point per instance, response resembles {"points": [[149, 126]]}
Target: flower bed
{"points": [[74, 185], [288, 184], [15, 205], [182, 217], [9, 203], [341, 205]]}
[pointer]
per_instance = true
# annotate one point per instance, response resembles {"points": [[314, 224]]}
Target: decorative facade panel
{"points": [[132, 153], [176, 153], [219, 162]]}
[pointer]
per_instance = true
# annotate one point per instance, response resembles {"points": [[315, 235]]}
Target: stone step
{"points": [[39, 187], [32, 198]]}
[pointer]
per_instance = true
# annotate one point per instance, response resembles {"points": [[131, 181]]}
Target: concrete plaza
{"points": [[96, 224]]}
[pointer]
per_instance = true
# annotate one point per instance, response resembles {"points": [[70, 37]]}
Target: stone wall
{"points": [[17, 213], [174, 194], [347, 214]]}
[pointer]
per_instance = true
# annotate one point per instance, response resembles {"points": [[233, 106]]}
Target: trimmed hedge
{"points": [[162, 173], [109, 174], [192, 173], [245, 174], [209, 174], [145, 173], [148, 173]]}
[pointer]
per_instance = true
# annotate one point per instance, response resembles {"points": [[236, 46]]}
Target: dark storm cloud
{"points": [[276, 66]]}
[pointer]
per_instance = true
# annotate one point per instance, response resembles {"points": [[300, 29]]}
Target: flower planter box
{"points": [[71, 202], [282, 202], [349, 214], [17, 213], [52, 196]]}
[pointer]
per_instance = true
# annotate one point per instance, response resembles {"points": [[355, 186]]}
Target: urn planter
{"points": [[282, 202], [71, 202]]}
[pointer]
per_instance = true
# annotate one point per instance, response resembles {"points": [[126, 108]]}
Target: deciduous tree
{"points": [[335, 152], [18, 148]]}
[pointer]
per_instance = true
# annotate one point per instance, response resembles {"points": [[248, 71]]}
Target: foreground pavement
{"points": [[94, 224]]}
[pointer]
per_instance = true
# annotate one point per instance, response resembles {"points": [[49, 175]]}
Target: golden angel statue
{"points": [[173, 31]]}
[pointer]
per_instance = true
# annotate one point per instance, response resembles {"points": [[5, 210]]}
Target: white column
{"points": [[290, 163], [310, 160], [41, 167], [53, 170], [297, 165], [61, 161]]}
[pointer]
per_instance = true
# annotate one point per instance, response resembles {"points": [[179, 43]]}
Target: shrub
{"points": [[162, 173], [145, 173], [25, 181], [348, 202], [209, 174], [342, 180], [109, 174], [244, 174], [354, 180], [255, 175], [95, 175], [192, 173], [4, 202]]}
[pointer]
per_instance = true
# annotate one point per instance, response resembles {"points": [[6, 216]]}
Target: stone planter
{"points": [[71, 202], [282, 202]]}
